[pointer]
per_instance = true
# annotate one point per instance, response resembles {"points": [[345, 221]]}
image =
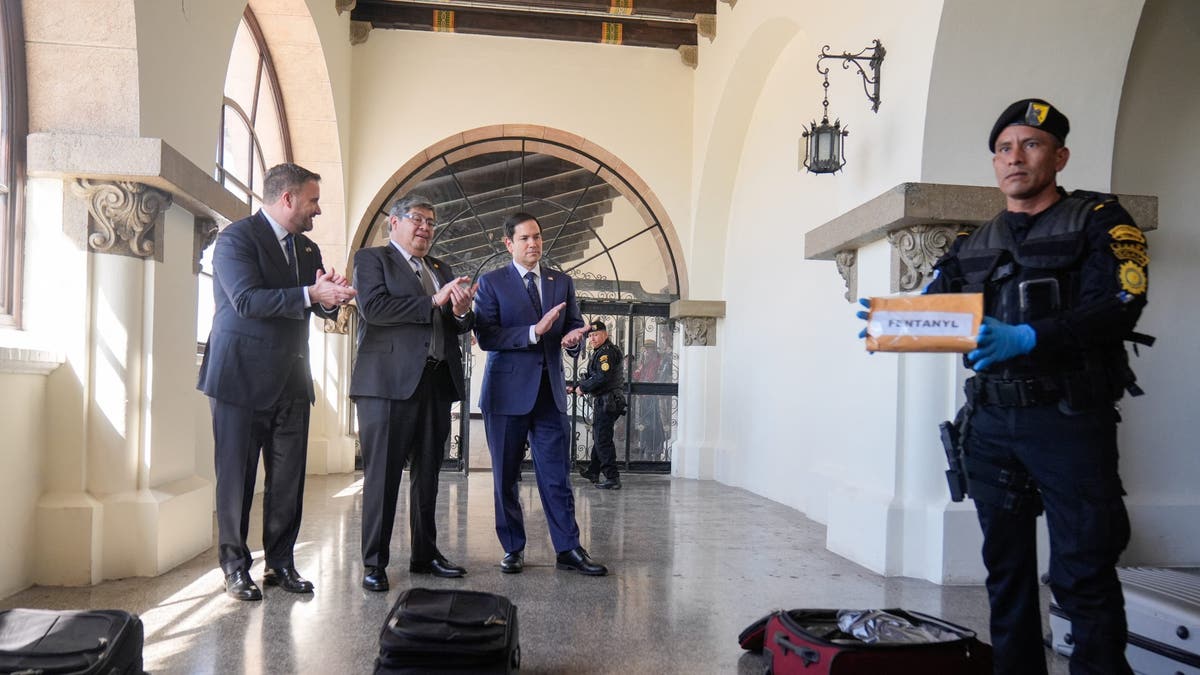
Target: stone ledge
{"points": [[698, 308], [927, 204], [20, 356], [145, 160]]}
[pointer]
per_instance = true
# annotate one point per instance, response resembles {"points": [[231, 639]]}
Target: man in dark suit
{"points": [[256, 374], [408, 372], [524, 392]]}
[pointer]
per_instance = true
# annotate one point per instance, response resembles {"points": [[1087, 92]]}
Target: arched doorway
{"points": [[601, 225]]}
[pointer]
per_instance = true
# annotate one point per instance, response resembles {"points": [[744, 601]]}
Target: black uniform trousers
{"points": [[1073, 460], [280, 433], [393, 432], [604, 451]]}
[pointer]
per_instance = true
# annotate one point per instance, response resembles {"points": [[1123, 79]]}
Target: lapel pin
{"points": [[549, 278], [307, 249]]}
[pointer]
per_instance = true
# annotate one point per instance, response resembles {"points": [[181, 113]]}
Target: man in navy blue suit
{"points": [[268, 279], [525, 314]]}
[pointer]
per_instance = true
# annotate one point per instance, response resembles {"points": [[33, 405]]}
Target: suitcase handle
{"points": [[808, 656]]}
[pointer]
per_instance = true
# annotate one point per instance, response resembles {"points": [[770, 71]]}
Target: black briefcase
{"points": [[104, 641], [448, 631]]}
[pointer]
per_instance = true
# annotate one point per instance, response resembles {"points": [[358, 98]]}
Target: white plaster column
{"points": [[695, 454], [122, 495]]}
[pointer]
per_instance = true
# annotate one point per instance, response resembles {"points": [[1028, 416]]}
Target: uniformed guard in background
{"points": [[603, 381], [1064, 278]]}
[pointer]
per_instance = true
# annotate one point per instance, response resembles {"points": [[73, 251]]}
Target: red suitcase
{"points": [[809, 642]]}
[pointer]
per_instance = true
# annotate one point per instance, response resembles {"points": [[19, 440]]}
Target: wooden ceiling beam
{"points": [[674, 9], [449, 18]]}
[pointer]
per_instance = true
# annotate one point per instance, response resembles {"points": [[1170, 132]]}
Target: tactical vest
{"points": [[1038, 278]]}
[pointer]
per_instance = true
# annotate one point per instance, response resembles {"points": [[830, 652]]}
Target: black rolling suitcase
{"points": [[1162, 609], [447, 631], [106, 641]]}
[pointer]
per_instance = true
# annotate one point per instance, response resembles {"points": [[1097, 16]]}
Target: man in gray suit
{"points": [[256, 374], [408, 372]]}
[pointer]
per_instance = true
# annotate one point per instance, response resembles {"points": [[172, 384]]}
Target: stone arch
{"points": [[552, 141], [295, 45], [718, 173], [975, 75]]}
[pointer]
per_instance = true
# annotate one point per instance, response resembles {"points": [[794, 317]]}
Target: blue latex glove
{"points": [[998, 342], [865, 302]]}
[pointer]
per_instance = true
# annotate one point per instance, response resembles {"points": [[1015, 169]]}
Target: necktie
{"points": [[531, 288], [290, 247], [437, 346]]}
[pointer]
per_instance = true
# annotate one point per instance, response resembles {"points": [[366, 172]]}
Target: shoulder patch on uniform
{"points": [[1131, 251], [1133, 277], [1127, 233]]}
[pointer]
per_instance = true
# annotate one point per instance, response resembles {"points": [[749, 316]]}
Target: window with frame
{"points": [[254, 136], [13, 123]]}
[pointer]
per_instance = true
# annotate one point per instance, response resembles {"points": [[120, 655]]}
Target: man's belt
{"points": [[1015, 393], [432, 363]]}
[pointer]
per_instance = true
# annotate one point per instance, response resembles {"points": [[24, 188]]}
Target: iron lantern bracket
{"points": [[872, 56]]}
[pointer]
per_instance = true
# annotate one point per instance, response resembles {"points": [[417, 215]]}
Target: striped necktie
{"points": [[290, 246], [531, 288], [437, 345]]}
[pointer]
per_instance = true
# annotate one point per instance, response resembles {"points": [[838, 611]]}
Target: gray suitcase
{"points": [[1162, 608]]}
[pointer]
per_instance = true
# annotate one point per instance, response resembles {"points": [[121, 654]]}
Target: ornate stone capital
{"points": [[204, 233], [344, 5], [699, 320], [847, 262], [706, 26], [915, 249], [342, 325], [126, 216], [699, 331], [359, 32]]}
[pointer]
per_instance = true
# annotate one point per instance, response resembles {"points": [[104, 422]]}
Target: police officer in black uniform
{"points": [[603, 382], [1064, 279]]}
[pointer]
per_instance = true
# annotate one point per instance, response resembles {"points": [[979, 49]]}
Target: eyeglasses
{"points": [[419, 219]]}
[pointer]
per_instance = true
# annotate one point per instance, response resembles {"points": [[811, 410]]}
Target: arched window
{"points": [[254, 132], [600, 227], [254, 137], [12, 159]]}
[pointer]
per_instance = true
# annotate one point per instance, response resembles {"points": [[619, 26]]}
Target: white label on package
{"points": [[920, 323]]}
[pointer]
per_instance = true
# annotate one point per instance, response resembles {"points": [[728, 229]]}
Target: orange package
{"points": [[941, 322]]}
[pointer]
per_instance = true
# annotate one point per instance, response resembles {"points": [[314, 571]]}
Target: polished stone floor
{"points": [[692, 563]]}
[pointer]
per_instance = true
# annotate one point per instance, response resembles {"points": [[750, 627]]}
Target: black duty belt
{"points": [[1015, 393]]}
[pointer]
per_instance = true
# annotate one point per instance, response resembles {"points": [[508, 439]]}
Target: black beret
{"points": [[1031, 112], [598, 325]]}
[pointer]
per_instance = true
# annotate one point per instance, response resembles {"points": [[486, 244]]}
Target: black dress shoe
{"points": [[610, 483], [288, 579], [240, 586], [375, 579], [438, 567], [577, 559], [593, 477], [513, 562]]}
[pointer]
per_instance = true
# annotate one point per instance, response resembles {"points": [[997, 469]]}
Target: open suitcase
{"points": [[449, 631], [809, 641], [77, 642], [1162, 608]]}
